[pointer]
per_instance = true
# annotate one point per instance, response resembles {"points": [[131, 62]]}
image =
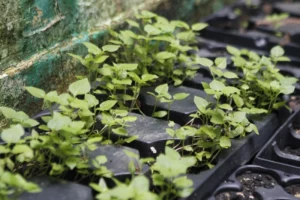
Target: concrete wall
{"points": [[36, 34]]}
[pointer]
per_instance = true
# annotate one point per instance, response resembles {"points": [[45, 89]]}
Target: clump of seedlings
{"points": [[153, 53]]}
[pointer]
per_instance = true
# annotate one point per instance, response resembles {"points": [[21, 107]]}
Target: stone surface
{"points": [[36, 35]]}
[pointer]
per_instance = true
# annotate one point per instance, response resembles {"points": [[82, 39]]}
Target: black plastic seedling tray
{"points": [[180, 110], [57, 189], [258, 183], [241, 152], [281, 150], [250, 38], [293, 8], [291, 68], [151, 135]]}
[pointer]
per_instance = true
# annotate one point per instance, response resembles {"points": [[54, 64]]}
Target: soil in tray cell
{"points": [[250, 181], [293, 190], [292, 151]]}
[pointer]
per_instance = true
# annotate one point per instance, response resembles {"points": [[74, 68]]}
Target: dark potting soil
{"points": [[292, 151], [250, 181], [293, 190]]}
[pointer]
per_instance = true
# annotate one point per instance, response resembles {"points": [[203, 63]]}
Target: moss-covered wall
{"points": [[36, 34]]}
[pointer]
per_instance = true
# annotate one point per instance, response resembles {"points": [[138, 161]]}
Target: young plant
{"points": [[115, 120], [276, 20], [162, 95], [94, 59], [137, 189], [121, 83], [15, 154], [70, 104], [262, 83], [158, 45], [169, 175]]}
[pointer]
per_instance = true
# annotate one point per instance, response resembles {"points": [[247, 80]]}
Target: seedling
{"points": [[162, 95], [169, 174], [262, 83]]}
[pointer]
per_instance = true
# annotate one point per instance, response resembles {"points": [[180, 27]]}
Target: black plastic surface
{"points": [[275, 191], [272, 154], [57, 189], [180, 110], [240, 153]]}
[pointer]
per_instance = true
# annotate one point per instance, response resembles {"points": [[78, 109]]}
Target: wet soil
{"points": [[293, 190], [292, 151], [250, 181]]}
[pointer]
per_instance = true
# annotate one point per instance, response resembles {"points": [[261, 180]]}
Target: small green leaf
{"points": [[221, 63], [170, 131], [180, 24], [233, 51], [229, 90], [180, 96], [101, 159], [204, 61], [36, 92], [148, 77], [225, 106], [200, 103], [132, 23], [91, 100], [162, 89], [71, 162], [151, 30], [208, 130], [217, 118], [79, 58], [131, 139], [217, 85], [28, 123], [80, 87], [106, 70], [199, 26], [101, 59], [187, 36], [239, 116], [148, 14], [128, 66], [279, 104], [225, 142], [159, 114], [12, 134], [130, 118], [120, 131], [58, 121], [283, 59], [107, 105], [254, 128], [110, 48], [216, 71], [158, 180], [277, 51], [21, 148], [239, 61], [93, 49], [8, 112], [230, 75], [164, 55], [4, 149], [239, 102]]}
